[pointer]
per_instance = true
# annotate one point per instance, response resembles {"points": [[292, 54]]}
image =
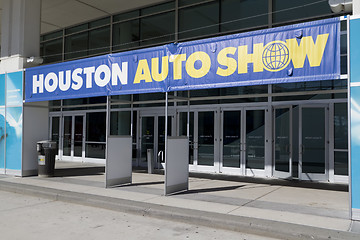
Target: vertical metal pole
{"points": [[166, 134], [188, 118], [107, 136], [349, 112]]}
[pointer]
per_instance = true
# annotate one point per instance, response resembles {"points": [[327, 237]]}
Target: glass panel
{"points": [[255, 139], [126, 35], [99, 41], [147, 136], [206, 138], [341, 163], [55, 129], [343, 64], [95, 150], [243, 14], [77, 28], [96, 127], [340, 126], [282, 139], [188, 2], [161, 132], [158, 8], [76, 46], [158, 29], [343, 44], [78, 137], [199, 20], [67, 136], [52, 35], [231, 139], [100, 22], [313, 140], [2, 137], [183, 132], [52, 51], [128, 15], [288, 10], [120, 123]]}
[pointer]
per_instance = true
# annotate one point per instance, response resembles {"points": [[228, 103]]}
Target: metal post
{"points": [[107, 125], [166, 138], [188, 118], [166, 125], [349, 111]]}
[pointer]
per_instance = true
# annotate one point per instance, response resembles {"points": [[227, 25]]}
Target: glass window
{"points": [[96, 127], [243, 14], [288, 10], [125, 16], [341, 163], [99, 41], [199, 20], [78, 28], [76, 46], [126, 35], [158, 29], [340, 126], [310, 86], [158, 8], [52, 35], [100, 22], [120, 123], [189, 2], [52, 51]]}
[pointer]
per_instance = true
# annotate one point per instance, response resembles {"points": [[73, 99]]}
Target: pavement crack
{"points": [[253, 200]]}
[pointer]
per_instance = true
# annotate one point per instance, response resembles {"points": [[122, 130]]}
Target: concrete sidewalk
{"points": [[274, 208]]}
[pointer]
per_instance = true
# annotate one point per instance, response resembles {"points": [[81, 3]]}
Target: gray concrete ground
{"points": [[274, 208], [28, 217]]}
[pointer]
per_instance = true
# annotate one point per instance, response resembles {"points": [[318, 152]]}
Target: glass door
{"points": [[282, 142], [72, 138], [313, 141], [153, 136], [254, 141], [55, 131], [231, 142]]}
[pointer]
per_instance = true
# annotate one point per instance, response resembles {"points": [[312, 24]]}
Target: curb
{"points": [[262, 227]]}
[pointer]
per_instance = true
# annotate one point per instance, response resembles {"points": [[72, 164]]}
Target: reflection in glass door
{"points": [[73, 137], [255, 141], [282, 142], [205, 141], [313, 143], [231, 140], [147, 137], [153, 136], [55, 131], [66, 151]]}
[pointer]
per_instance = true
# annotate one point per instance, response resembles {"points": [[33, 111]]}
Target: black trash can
{"points": [[46, 157]]}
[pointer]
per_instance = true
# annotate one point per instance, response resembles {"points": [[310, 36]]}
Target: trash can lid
{"points": [[47, 144]]}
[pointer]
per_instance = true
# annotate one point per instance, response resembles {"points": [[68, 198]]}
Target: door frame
{"points": [[314, 176], [61, 156], [156, 114]]}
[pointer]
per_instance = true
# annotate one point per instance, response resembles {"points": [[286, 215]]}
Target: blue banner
{"points": [[14, 89], [296, 53]]}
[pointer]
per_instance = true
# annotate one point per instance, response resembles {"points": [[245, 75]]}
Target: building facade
{"points": [[284, 129]]}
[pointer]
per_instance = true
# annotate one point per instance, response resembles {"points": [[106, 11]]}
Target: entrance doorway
{"points": [[69, 133], [243, 141], [152, 136]]}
